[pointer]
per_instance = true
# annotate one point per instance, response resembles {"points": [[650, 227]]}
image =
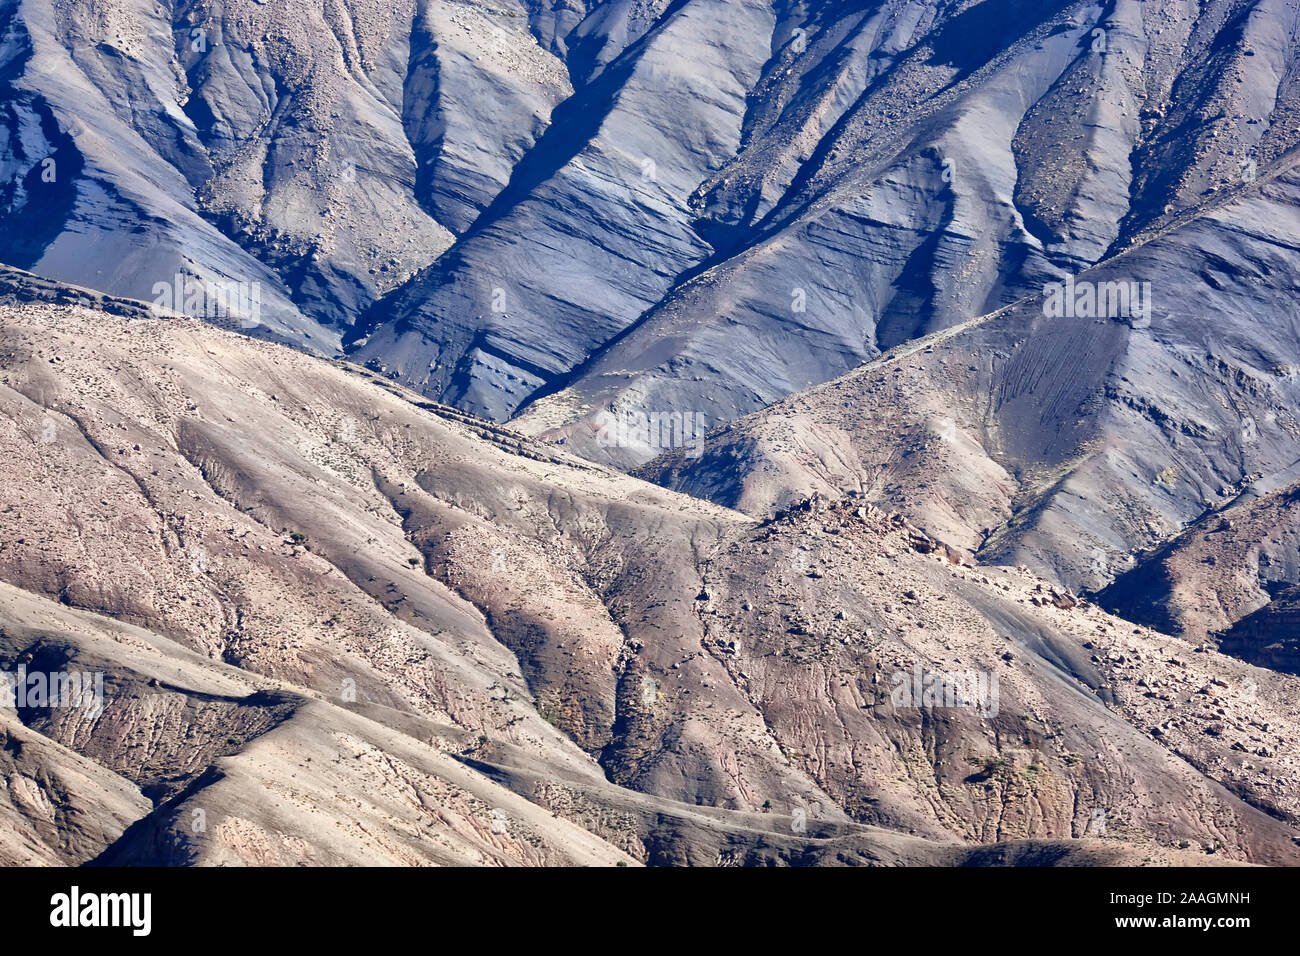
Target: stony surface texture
{"points": [[1227, 566], [905, 168], [327, 152], [57, 807], [546, 210], [1073, 445], [398, 594], [349, 625]]}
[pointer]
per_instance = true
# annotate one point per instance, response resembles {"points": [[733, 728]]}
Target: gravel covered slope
{"points": [[274, 558], [1072, 444]]}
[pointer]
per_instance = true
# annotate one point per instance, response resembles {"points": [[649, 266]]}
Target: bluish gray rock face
{"points": [[552, 210], [888, 172], [1076, 443], [326, 153]]}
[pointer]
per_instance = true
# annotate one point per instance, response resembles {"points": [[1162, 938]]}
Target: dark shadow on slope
{"points": [[150, 842], [974, 37], [35, 206], [574, 123]]}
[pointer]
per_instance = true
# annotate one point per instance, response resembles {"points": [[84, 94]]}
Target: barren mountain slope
{"points": [[1069, 443], [907, 167], [58, 807], [326, 152], [273, 559], [1230, 575], [551, 210]]}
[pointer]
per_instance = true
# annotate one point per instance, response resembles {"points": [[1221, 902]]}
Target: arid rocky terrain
{"points": [[342, 624], [670, 432]]}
